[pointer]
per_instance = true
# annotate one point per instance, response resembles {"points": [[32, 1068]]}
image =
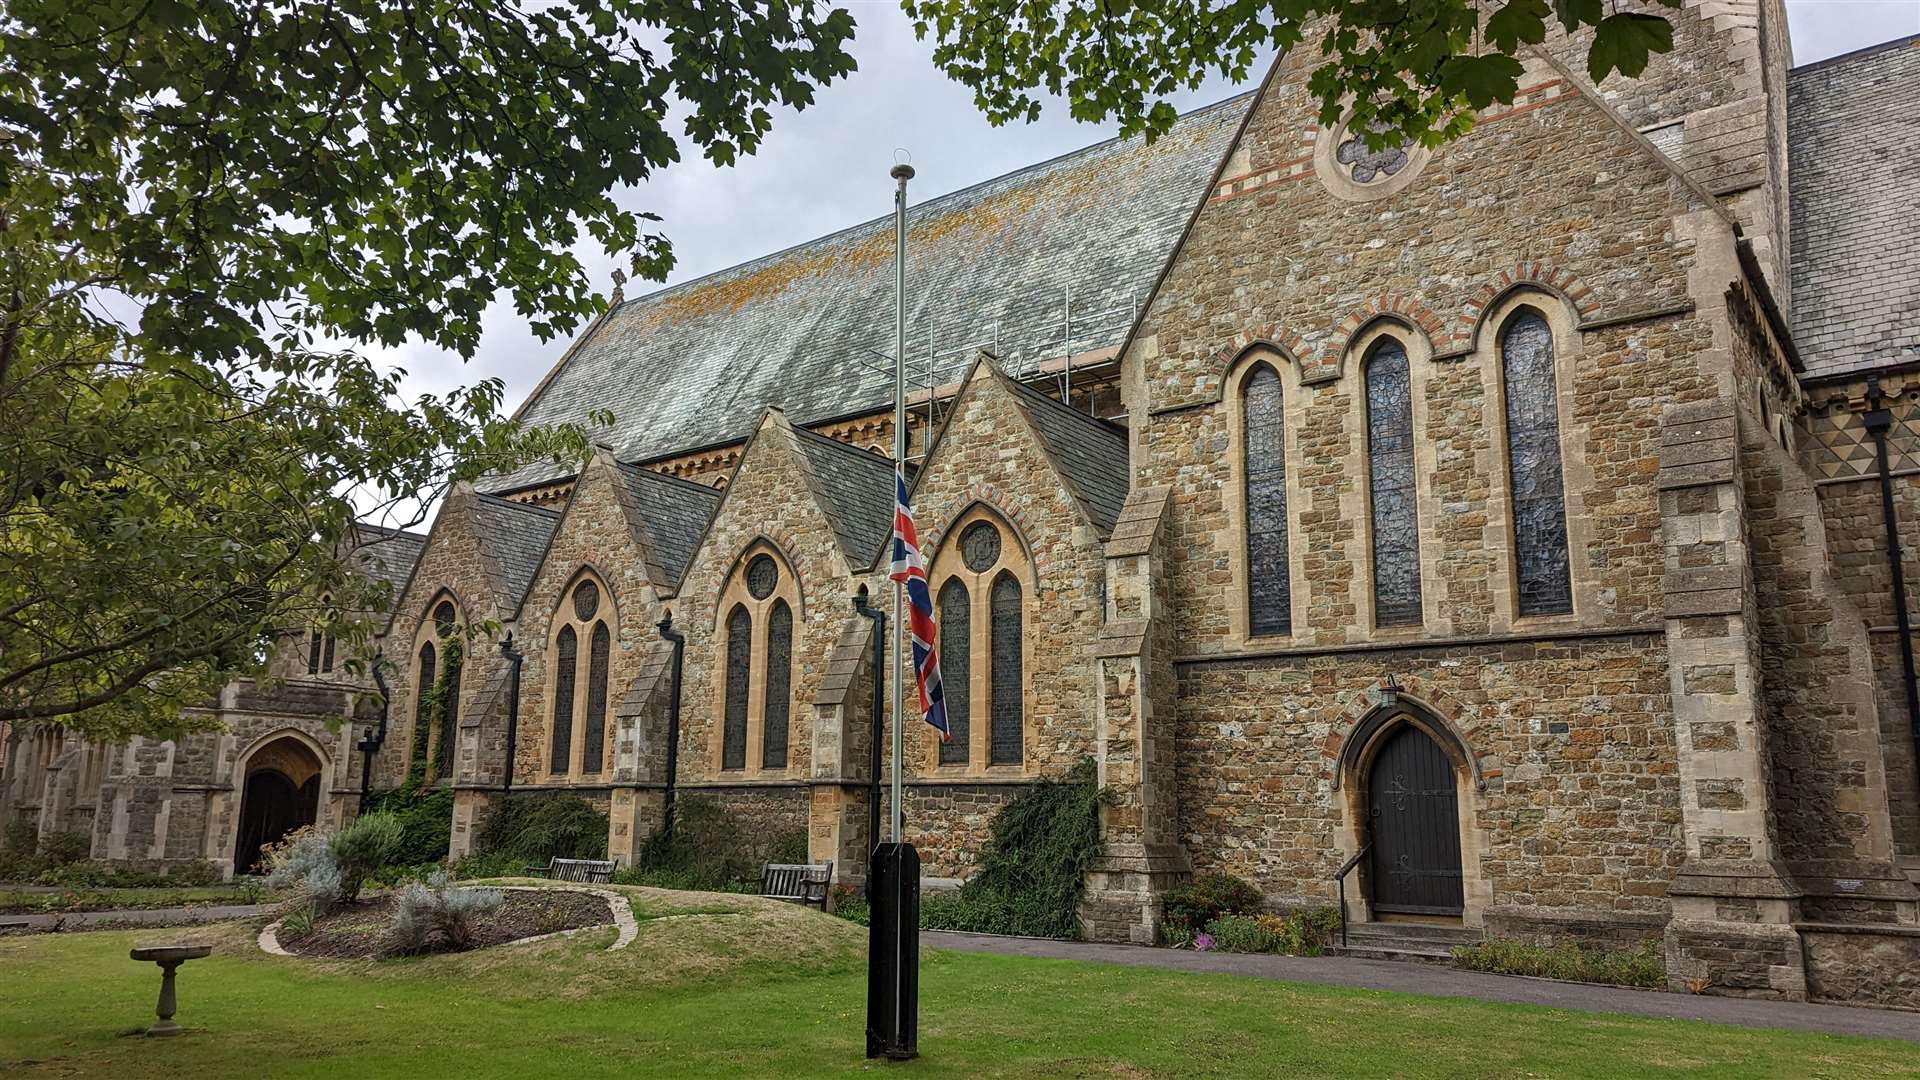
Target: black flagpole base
{"points": [[893, 953]]}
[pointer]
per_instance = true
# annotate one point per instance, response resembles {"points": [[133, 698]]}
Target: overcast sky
{"points": [[826, 168]]}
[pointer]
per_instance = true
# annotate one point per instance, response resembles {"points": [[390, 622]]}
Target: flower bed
{"points": [[360, 931]]}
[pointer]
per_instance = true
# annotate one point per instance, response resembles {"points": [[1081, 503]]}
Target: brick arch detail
{"points": [[1000, 503], [1395, 308], [1532, 274], [1412, 695], [783, 544]]}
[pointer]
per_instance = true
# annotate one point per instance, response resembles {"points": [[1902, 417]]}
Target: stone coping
{"points": [[623, 920]]}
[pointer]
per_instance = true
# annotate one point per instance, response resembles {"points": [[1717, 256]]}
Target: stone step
{"points": [[1418, 942]]}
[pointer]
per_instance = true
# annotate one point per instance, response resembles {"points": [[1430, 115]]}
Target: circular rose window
{"points": [[980, 547], [762, 576], [1356, 172], [586, 600]]}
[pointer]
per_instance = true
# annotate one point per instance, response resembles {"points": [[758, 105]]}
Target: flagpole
{"points": [[901, 174]]}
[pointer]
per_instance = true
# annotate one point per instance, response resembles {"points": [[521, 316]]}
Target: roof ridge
{"points": [[863, 455], [641, 470], [956, 193], [517, 505], [391, 533], [1857, 54], [1094, 422]]}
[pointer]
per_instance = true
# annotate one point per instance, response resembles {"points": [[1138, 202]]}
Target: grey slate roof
{"points": [[675, 511], [1090, 453], [517, 535], [857, 489], [387, 554], [809, 329], [1853, 135]]}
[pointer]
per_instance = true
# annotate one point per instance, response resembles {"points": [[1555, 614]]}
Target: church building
{"points": [[1510, 537]]}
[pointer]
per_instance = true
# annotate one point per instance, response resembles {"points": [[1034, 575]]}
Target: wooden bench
{"points": [[585, 871], [800, 883]]}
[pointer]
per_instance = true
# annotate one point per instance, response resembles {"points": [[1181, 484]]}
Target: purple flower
{"points": [[1203, 942]]}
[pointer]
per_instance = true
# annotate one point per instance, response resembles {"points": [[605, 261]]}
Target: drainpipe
{"points": [[1877, 423], [371, 742], [673, 718], [513, 711], [879, 710]]}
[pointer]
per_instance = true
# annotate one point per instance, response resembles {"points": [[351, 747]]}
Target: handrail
{"points": [[1340, 877]]}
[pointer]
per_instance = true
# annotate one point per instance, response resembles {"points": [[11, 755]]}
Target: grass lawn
{"points": [[748, 987], [85, 898]]}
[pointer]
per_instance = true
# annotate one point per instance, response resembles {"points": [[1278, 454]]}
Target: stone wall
{"points": [[1577, 804]]}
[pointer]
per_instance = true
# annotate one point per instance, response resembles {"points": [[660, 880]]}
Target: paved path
{"points": [[1443, 981], [150, 917]]}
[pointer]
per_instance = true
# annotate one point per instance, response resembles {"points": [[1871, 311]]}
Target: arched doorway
{"points": [[1413, 820], [281, 793]]}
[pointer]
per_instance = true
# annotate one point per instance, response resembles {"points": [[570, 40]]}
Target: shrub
{"points": [[1034, 867], [59, 849], [363, 846], [425, 815], [496, 864], [1191, 905], [1301, 933], [298, 923], [305, 862], [436, 914], [850, 904], [712, 851], [536, 827], [104, 875], [1643, 966]]}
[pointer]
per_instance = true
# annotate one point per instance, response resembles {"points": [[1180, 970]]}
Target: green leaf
{"points": [[1624, 41], [1481, 80], [1520, 21]]}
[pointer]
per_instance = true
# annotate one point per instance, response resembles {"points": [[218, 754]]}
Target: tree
{"points": [[207, 207], [1399, 70]]}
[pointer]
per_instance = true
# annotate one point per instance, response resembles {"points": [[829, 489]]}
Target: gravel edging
{"points": [[623, 920]]}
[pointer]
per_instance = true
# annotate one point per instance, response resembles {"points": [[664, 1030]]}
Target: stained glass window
{"points": [[449, 719], [779, 672], [586, 600], [422, 688], [1009, 686], [980, 546], [313, 653], [1269, 590], [326, 655], [1396, 517], [956, 670], [443, 618], [1533, 465], [733, 745], [762, 576], [1369, 165], [566, 656], [594, 754]]}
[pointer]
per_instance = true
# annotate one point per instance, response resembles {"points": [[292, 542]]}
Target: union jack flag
{"points": [[910, 569]]}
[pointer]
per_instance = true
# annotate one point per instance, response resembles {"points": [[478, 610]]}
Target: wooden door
{"points": [[1415, 826]]}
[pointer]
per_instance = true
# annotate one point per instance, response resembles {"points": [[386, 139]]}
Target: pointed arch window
{"points": [[733, 753], [578, 730], [1534, 466], [446, 689], [1008, 683], [762, 601], [1269, 584], [1396, 517], [956, 667], [566, 659], [423, 677], [979, 571], [779, 674], [320, 645]]}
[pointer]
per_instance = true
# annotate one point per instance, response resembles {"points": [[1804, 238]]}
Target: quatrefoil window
{"points": [[1367, 165]]}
